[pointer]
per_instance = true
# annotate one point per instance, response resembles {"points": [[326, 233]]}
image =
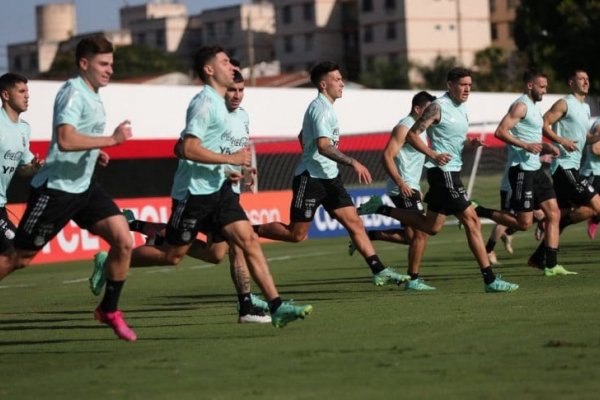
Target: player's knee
{"points": [[524, 225], [297, 237]]}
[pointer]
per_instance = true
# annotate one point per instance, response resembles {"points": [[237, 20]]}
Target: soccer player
{"points": [[203, 199], [14, 144], [63, 189], [317, 179], [446, 123], [570, 118], [404, 166], [251, 309], [591, 170], [531, 188]]}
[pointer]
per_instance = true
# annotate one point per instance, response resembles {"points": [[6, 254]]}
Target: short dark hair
{"points": [[235, 62], [457, 73], [321, 69], [422, 98], [532, 73], [574, 73], [10, 79], [237, 76], [92, 45], [203, 56]]}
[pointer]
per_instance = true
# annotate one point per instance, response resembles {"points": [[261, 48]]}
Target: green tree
{"points": [[435, 75], [559, 36], [138, 60], [387, 75], [496, 71]]}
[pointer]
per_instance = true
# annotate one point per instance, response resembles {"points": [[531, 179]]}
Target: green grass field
{"points": [[361, 342]]}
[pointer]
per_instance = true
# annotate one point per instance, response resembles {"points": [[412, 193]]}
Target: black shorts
{"points": [[594, 180], [7, 231], [505, 196], [49, 210], [529, 188], [446, 194], [571, 189], [213, 231], [310, 193], [203, 213], [413, 202]]}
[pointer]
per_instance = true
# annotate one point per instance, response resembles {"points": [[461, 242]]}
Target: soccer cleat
{"points": [[507, 241], [388, 275], [254, 316], [98, 278], [351, 248], [558, 270], [492, 257], [128, 214], [592, 228], [371, 206], [117, 323], [418, 284], [257, 302], [498, 285], [288, 312]]}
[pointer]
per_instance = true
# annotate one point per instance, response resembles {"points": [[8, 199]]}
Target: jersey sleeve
{"points": [[68, 107], [320, 121], [198, 119]]}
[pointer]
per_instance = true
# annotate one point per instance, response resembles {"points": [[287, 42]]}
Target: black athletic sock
{"points": [[372, 235], [483, 212], [137, 226], [375, 264], [488, 275], [510, 231], [255, 228], [551, 257], [274, 304], [413, 276], [538, 256], [490, 245], [596, 219], [245, 301], [384, 210], [564, 222], [112, 293]]}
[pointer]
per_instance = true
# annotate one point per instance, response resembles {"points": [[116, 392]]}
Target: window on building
{"points": [[210, 29], [287, 14], [451, 27], [494, 31], [308, 11], [368, 34], [438, 27], [492, 6], [160, 38], [309, 40], [390, 4], [390, 31], [33, 62], [141, 38], [393, 58], [229, 27], [17, 64], [288, 44], [511, 29], [367, 5], [510, 4]]}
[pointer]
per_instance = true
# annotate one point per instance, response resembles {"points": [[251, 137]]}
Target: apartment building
{"points": [[309, 31], [421, 30], [502, 17]]}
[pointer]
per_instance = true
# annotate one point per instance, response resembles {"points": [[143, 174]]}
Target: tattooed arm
{"points": [[327, 149], [431, 115]]}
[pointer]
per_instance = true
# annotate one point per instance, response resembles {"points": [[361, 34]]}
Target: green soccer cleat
{"points": [[388, 275], [371, 206], [257, 302], [418, 284], [558, 270], [98, 278], [288, 312], [351, 248], [500, 286], [128, 215]]}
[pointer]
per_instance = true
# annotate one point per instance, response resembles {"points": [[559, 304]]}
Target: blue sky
{"points": [[18, 17]]}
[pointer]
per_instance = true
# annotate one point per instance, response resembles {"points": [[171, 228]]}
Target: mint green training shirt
{"points": [[14, 150], [409, 162], [78, 105]]}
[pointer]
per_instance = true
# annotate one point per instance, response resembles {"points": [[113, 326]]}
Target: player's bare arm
{"points": [[68, 139], [596, 145], [554, 114], [192, 149], [431, 115], [31, 168], [393, 146], [327, 149], [516, 113]]}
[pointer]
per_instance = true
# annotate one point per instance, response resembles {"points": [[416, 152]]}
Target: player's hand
{"points": [[550, 149], [36, 163], [178, 149], [364, 176], [568, 145], [249, 176], [234, 176], [122, 132], [442, 158], [103, 159], [242, 157], [476, 142], [535, 148], [405, 190]]}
